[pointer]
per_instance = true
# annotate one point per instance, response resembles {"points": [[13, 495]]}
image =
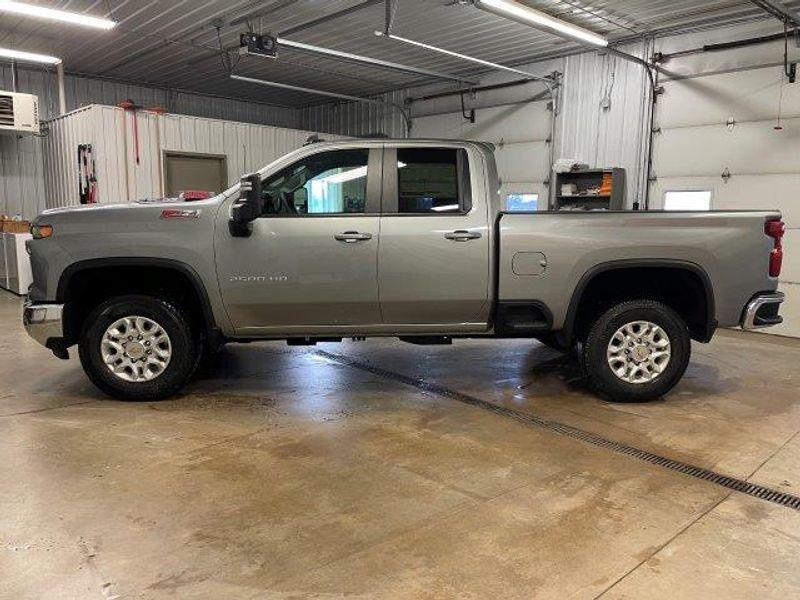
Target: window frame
{"points": [[372, 204], [391, 199]]}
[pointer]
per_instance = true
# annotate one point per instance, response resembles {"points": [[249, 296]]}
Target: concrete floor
{"points": [[285, 475]]}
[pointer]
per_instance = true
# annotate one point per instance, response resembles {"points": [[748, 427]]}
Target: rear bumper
{"points": [[762, 311], [44, 322]]}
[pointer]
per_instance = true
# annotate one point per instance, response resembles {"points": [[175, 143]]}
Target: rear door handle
{"points": [[462, 235], [351, 237]]}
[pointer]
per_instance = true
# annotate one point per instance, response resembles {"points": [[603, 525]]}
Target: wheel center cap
{"points": [[134, 350], [641, 353]]}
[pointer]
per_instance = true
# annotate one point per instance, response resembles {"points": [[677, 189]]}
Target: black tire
{"points": [[206, 357], [184, 347], [596, 363]]}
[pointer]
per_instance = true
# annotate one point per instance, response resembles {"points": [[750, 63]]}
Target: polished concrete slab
{"points": [[284, 474]]}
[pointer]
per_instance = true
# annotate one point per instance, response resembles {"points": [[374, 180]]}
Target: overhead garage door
{"points": [[518, 131], [726, 124]]}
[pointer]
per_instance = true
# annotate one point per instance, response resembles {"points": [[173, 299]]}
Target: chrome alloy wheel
{"points": [[136, 349], [639, 352]]}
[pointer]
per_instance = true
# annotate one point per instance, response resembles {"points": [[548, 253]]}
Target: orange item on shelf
{"points": [[605, 188]]}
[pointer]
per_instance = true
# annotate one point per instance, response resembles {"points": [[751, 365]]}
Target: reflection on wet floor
{"points": [[280, 473]]}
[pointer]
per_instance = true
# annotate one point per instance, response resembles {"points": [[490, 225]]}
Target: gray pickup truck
{"points": [[402, 238]]}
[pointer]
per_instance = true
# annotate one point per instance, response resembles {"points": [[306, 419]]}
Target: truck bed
{"points": [[547, 257]]}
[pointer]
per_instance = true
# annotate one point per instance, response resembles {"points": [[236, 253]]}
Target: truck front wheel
{"points": [[138, 348], [636, 351]]}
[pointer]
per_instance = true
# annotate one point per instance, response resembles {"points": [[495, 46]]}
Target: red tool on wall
{"points": [[129, 105]]}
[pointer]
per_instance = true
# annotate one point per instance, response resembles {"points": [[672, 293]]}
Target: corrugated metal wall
{"points": [[22, 163], [82, 91], [356, 119], [605, 112], [109, 129], [601, 134]]}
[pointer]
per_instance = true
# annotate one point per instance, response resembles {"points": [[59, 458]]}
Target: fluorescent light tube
{"points": [[31, 10], [530, 16], [29, 57]]}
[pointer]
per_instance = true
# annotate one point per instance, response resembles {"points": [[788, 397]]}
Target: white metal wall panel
{"points": [[696, 144], [606, 134], [110, 130], [83, 91], [21, 183], [519, 132], [23, 164], [357, 119], [744, 96], [742, 192], [747, 149], [502, 124], [61, 156]]}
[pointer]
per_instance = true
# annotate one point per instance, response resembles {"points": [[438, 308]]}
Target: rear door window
{"points": [[432, 181]]}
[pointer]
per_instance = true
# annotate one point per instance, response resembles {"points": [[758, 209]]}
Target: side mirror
{"points": [[248, 207]]}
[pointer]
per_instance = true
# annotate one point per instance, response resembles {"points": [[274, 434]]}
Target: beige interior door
{"points": [[204, 172]]}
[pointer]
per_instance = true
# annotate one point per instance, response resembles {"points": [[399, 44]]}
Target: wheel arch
{"points": [[85, 268], [702, 331]]}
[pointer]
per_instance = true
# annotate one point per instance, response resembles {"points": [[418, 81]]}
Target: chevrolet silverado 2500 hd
{"points": [[398, 238]]}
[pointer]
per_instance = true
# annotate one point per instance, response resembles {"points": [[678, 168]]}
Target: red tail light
{"points": [[775, 230]]}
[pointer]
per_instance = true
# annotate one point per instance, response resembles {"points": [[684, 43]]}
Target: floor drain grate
{"points": [[726, 481]]}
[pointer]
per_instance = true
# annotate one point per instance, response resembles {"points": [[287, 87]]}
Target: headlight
{"points": [[41, 231]]}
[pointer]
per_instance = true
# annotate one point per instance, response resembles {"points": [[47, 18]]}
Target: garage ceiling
{"points": [[173, 43]]}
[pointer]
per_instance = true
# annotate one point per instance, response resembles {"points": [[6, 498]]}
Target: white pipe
{"points": [[62, 94]]}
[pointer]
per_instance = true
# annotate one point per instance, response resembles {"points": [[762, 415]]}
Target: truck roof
{"points": [[415, 141]]}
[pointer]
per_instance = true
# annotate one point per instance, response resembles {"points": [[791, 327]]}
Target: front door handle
{"points": [[462, 235], [350, 237]]}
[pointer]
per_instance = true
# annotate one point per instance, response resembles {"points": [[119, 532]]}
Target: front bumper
{"points": [[762, 311], [44, 322]]}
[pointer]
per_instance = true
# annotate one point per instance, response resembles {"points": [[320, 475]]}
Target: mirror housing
{"points": [[248, 207]]}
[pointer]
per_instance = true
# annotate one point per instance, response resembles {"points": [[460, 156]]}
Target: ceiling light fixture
{"points": [[511, 9], [31, 10], [28, 57]]}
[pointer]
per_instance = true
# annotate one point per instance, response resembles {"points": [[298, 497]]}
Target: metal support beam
{"points": [[779, 11], [529, 76], [297, 88], [366, 60]]}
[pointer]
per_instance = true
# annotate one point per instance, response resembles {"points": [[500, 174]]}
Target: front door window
{"points": [[329, 183]]}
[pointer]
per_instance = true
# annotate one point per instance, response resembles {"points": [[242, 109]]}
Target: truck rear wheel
{"points": [[138, 348], [637, 351]]}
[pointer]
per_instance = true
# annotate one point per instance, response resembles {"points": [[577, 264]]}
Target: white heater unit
{"points": [[19, 113]]}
